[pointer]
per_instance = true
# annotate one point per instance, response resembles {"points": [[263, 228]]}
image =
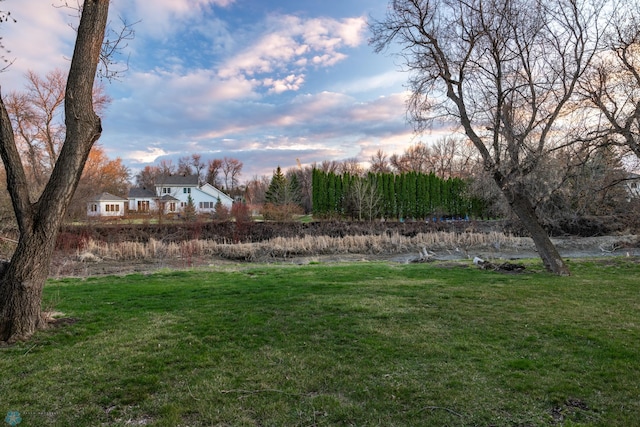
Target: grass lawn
{"points": [[363, 344]]}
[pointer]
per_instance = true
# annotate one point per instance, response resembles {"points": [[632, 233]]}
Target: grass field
{"points": [[364, 344]]}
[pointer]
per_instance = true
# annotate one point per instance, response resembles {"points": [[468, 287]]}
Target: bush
{"points": [[221, 212], [280, 213], [240, 211]]}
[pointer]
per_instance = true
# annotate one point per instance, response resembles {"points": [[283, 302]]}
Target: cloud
{"points": [[40, 40], [146, 156], [160, 18], [291, 82], [291, 44]]}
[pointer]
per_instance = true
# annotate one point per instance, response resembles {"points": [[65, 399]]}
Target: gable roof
{"points": [[107, 197], [184, 180], [214, 192], [141, 193]]}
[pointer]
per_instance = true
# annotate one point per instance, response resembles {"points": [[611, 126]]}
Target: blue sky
{"points": [[266, 82]]}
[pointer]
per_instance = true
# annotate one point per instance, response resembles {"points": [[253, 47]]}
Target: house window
{"points": [[172, 207], [634, 185], [143, 206], [94, 208], [165, 190], [206, 205], [186, 190]]}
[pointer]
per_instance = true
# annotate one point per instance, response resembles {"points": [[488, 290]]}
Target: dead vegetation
{"points": [[288, 247]]}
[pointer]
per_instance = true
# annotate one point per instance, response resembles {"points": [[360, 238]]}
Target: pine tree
{"points": [[277, 188], [189, 210]]}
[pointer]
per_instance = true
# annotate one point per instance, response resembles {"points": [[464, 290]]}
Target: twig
{"points": [[30, 348], [191, 393]]}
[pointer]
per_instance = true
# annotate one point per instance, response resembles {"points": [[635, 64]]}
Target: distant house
{"points": [[106, 205], [171, 195]]}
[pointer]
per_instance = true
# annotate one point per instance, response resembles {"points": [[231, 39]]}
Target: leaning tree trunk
{"points": [[23, 279], [522, 207]]}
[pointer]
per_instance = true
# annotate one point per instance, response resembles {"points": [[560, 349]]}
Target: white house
{"points": [[173, 192], [106, 204]]}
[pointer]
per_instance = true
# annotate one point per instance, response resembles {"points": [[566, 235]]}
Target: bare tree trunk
{"points": [[21, 288], [522, 207], [23, 279]]}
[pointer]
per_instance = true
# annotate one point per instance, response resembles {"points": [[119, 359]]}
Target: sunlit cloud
{"points": [[291, 44], [205, 76], [291, 82], [146, 156]]}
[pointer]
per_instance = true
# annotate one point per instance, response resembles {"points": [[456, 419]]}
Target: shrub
{"points": [[280, 213], [240, 211], [221, 212]]}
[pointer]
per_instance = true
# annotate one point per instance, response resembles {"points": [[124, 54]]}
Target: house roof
{"points": [[184, 180], [107, 197], [169, 198], [214, 192], [141, 192]]}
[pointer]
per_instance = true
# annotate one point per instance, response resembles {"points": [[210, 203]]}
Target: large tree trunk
{"points": [[21, 287], [522, 207], [23, 280]]}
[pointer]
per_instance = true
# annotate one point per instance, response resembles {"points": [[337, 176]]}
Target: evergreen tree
{"points": [[189, 210], [277, 188]]}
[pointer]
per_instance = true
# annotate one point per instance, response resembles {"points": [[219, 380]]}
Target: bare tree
{"points": [[24, 276], [198, 166], [351, 166], [256, 190], [146, 178], [364, 198], [231, 169], [379, 163], [184, 166], [414, 159], [613, 85], [506, 72], [213, 172], [38, 120], [328, 166], [23, 118], [452, 157]]}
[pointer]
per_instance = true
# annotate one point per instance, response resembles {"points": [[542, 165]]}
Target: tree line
{"points": [[408, 195]]}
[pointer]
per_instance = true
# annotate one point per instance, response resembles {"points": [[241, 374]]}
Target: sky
{"points": [[269, 83]]}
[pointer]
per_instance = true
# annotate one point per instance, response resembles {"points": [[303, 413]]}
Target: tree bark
{"points": [[23, 279], [522, 207]]}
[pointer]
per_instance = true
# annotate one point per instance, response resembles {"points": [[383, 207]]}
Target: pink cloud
{"points": [[292, 43]]}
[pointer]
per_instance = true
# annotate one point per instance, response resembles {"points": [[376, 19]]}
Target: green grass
{"points": [[365, 344]]}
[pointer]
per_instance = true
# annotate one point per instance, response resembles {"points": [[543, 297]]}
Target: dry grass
{"points": [[280, 247]]}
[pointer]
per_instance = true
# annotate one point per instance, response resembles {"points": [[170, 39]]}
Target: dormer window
{"points": [[186, 190]]}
